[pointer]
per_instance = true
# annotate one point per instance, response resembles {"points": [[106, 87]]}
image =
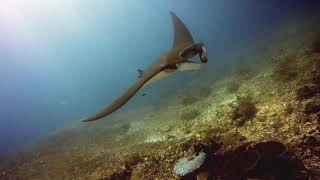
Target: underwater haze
{"points": [[61, 60]]}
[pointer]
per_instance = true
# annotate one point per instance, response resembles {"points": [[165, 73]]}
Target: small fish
{"points": [[140, 73]]}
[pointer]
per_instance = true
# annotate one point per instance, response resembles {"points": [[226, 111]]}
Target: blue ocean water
{"points": [[61, 61]]}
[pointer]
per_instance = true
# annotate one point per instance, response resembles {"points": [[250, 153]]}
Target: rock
{"points": [[244, 110], [306, 92], [137, 172], [317, 151], [200, 147], [133, 159], [316, 77], [204, 175], [316, 46], [190, 165], [270, 148], [313, 140], [289, 109], [312, 108], [232, 140]]}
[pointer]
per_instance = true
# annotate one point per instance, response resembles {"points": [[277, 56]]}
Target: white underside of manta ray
{"points": [[178, 58]]}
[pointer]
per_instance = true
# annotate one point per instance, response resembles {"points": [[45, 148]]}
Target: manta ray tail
{"points": [[126, 96]]}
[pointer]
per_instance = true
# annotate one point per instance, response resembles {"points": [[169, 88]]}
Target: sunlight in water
{"points": [[28, 26], [38, 25], [24, 20]]}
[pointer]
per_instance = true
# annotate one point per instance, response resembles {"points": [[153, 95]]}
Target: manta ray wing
{"points": [[182, 36]]}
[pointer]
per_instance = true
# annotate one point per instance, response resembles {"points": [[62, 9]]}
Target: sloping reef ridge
{"points": [[257, 121]]}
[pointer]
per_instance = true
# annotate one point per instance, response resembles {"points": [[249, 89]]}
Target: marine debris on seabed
{"points": [[261, 125]]}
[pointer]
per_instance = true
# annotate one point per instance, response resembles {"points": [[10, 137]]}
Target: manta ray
{"points": [[179, 57]]}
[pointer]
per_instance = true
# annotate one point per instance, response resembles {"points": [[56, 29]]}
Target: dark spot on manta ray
{"points": [[143, 94]]}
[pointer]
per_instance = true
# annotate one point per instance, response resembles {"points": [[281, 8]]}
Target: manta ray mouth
{"points": [[194, 49]]}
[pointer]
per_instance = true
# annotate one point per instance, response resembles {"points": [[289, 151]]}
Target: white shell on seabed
{"points": [[188, 165]]}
